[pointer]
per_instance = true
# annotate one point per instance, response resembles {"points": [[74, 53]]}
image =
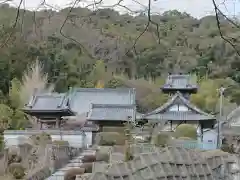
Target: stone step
{"points": [[76, 162]]}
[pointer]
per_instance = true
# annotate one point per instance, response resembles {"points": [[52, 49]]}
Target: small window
{"points": [[182, 108], [178, 107], [210, 141], [174, 108]]}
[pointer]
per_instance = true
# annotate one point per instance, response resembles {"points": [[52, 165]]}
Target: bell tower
{"points": [[179, 83]]}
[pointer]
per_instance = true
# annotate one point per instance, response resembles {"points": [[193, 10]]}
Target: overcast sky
{"points": [[197, 8]]}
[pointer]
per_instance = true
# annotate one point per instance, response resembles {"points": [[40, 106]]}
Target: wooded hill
{"points": [[70, 51]]}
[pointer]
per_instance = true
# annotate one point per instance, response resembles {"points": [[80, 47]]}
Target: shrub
{"points": [[71, 173], [46, 136], [17, 170], [41, 139], [128, 155], [102, 156], [162, 139], [87, 166], [13, 157], [114, 129], [61, 143], [185, 138], [89, 158], [110, 139], [227, 147], [1, 141], [186, 130]]}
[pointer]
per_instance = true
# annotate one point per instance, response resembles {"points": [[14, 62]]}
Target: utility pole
{"points": [[221, 91]]}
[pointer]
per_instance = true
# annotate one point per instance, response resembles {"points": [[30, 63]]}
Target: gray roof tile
{"points": [[179, 82], [48, 102], [162, 112], [82, 98], [80, 101], [118, 112], [169, 163]]}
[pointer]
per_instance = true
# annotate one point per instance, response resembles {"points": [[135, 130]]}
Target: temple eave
{"points": [[179, 116], [48, 112]]}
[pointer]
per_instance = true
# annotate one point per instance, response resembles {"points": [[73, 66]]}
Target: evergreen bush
{"points": [[89, 158], [17, 170], [87, 166], [110, 139], [102, 156], [162, 139], [186, 130], [72, 173]]}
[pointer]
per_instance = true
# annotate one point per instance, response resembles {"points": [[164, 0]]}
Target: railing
{"points": [[191, 144]]}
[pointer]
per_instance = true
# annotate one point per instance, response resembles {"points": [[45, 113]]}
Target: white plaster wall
{"points": [[74, 140], [210, 136]]}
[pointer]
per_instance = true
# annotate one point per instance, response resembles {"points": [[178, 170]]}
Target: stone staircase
{"points": [[59, 174]]}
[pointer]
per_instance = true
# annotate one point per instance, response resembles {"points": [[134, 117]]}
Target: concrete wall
{"points": [[210, 136], [75, 138]]}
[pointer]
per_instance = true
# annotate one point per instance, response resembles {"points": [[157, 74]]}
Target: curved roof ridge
{"points": [[192, 106], [112, 105], [164, 106], [184, 100], [103, 89]]}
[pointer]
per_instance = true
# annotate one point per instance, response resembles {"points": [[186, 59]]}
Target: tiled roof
{"points": [[168, 164], [79, 101], [179, 82], [117, 112], [233, 117], [48, 102], [162, 112], [82, 98]]}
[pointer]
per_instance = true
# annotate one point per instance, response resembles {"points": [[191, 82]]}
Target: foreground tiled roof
{"points": [[163, 113], [233, 117], [111, 112], [171, 163]]}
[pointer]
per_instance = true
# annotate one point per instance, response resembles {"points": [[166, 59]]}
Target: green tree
{"points": [[186, 130], [6, 114], [14, 94]]}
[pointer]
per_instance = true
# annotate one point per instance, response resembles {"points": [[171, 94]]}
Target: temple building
{"points": [[49, 108], [97, 106], [178, 109]]}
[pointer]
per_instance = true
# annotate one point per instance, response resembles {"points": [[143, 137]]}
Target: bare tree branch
{"points": [[14, 25], [217, 12]]}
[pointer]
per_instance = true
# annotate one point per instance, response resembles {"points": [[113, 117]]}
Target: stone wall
{"points": [[3, 161], [39, 174], [60, 156]]}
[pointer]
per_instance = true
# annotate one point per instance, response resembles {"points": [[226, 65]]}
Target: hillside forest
{"points": [[53, 51]]}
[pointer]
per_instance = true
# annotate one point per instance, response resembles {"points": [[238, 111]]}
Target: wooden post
{"points": [[57, 123]]}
